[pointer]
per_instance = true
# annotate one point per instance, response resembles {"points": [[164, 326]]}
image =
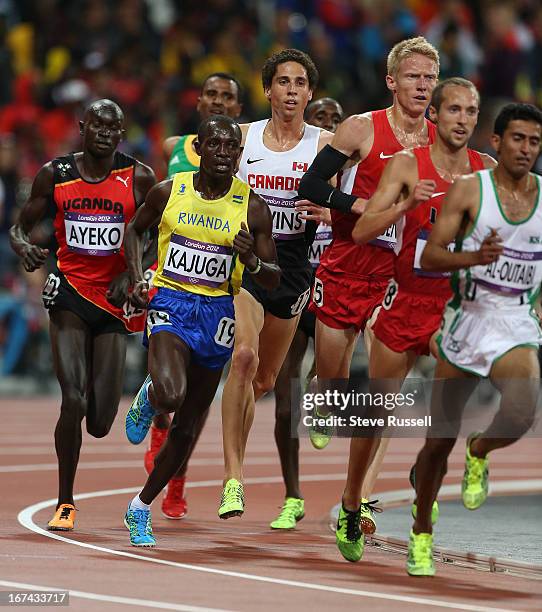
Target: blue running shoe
{"points": [[138, 521], [139, 416]]}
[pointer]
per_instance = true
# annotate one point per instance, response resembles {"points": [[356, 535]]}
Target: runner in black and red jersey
{"points": [[326, 113], [415, 300], [352, 279], [95, 193]]}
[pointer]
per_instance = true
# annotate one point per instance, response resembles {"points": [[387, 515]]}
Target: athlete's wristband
{"points": [[257, 268]]}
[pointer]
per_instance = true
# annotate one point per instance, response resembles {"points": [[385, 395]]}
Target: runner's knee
{"points": [[245, 362], [99, 428], [168, 394], [74, 403]]}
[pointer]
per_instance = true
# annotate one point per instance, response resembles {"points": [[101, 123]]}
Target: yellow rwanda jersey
{"points": [[195, 239]]}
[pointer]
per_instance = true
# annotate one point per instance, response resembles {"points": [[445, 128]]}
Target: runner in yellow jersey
{"points": [[221, 94], [204, 245]]}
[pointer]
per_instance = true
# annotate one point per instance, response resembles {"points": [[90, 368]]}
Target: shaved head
{"points": [[105, 105], [216, 123]]}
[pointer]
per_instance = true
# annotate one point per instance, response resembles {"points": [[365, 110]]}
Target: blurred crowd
{"points": [[152, 55]]}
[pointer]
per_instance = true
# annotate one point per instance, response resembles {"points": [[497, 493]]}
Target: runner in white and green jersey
{"points": [[490, 328]]}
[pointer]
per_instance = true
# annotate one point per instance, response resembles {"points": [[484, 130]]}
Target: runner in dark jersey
{"points": [[221, 94], [327, 114], [95, 193]]}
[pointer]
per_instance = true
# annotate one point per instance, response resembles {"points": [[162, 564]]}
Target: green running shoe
{"points": [[320, 434], [292, 511], [420, 555], [474, 487], [348, 535], [435, 510], [367, 511], [232, 502]]}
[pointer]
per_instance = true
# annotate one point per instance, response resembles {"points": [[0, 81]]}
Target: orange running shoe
{"points": [[64, 518], [158, 437], [174, 503]]}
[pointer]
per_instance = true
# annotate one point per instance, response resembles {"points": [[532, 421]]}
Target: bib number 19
{"points": [[225, 332]]}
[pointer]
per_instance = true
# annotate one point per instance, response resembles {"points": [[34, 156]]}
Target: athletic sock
{"points": [[136, 503]]}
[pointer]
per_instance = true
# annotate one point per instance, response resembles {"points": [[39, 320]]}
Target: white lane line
{"points": [[130, 601], [26, 515], [271, 460]]}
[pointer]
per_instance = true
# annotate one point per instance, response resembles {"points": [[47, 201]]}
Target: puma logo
{"points": [[123, 181]]}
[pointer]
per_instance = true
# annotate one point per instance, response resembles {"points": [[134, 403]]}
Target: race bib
{"points": [[421, 241], [387, 240], [287, 222], [50, 290], [199, 263], [321, 241], [99, 235], [513, 273], [225, 332]]}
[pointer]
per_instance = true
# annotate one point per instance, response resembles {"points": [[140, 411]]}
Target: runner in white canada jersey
{"points": [[275, 176], [490, 328], [276, 154], [324, 113]]}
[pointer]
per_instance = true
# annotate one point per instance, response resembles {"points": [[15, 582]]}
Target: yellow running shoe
{"points": [[232, 502], [319, 433], [292, 511], [420, 555], [474, 487], [348, 535], [64, 518], [435, 510]]}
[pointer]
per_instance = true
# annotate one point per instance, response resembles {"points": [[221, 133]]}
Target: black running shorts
{"points": [[58, 294], [289, 298]]}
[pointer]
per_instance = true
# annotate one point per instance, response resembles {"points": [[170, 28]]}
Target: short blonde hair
{"points": [[409, 47]]}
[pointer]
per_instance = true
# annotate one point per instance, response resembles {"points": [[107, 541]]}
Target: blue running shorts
{"points": [[206, 324]]}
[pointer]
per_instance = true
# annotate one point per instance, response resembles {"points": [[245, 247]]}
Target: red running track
{"points": [[202, 562]]}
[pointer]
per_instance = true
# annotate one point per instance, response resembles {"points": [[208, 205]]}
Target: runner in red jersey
{"points": [[351, 280], [95, 194], [414, 302]]}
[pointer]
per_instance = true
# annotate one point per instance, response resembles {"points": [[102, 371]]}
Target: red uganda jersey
{"points": [[375, 258], [414, 228], [90, 221]]}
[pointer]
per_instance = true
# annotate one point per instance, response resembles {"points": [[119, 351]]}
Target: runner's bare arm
{"points": [[349, 145], [257, 248], [384, 208], [31, 214], [460, 203], [145, 180], [147, 216], [117, 292]]}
